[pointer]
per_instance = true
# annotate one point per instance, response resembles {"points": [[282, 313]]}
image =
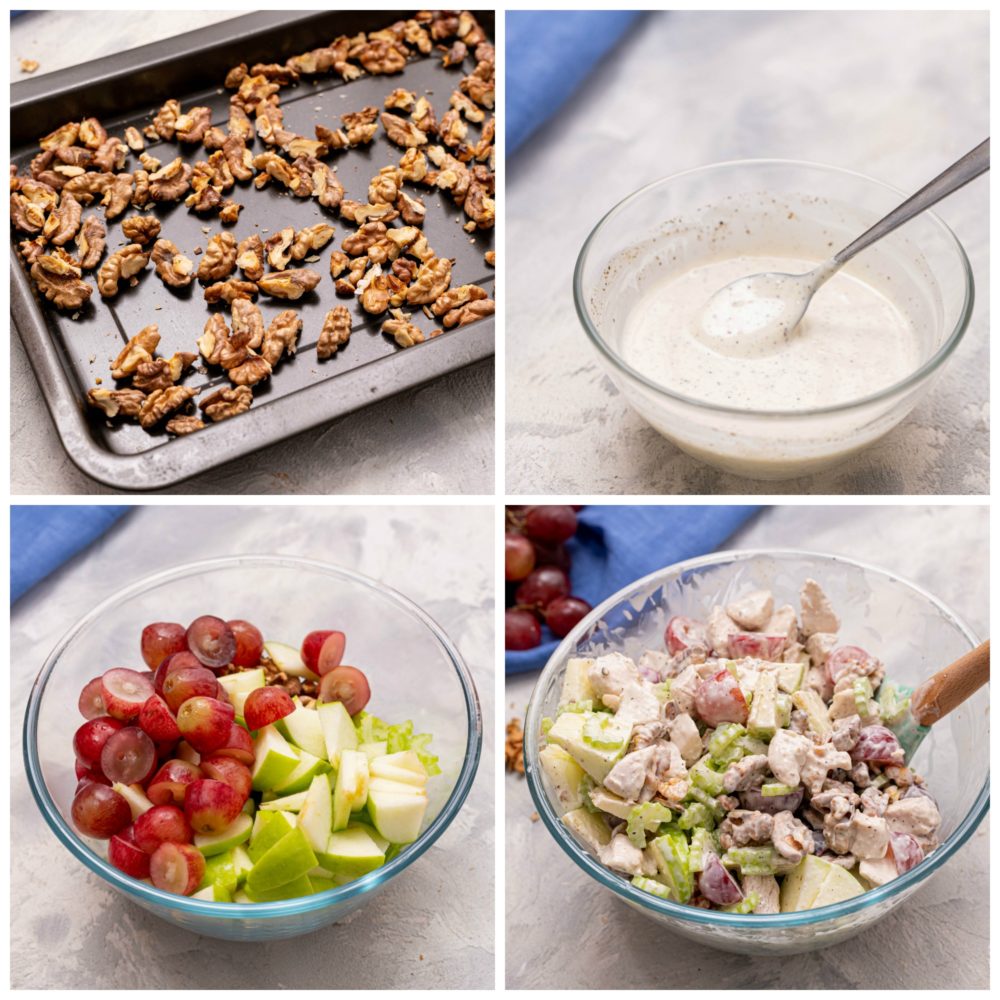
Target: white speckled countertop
{"points": [[564, 932], [431, 928], [688, 89], [436, 438]]}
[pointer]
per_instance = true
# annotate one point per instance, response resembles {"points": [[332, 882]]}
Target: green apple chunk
{"points": [[238, 686], [238, 832], [300, 886], [242, 863], [576, 682], [814, 882], [287, 658], [268, 829], [316, 815], [289, 859], [215, 893], [290, 803], [274, 759], [338, 730], [350, 793], [301, 778], [221, 870], [135, 797], [565, 777], [303, 728], [590, 829], [396, 810], [567, 732], [351, 853]]}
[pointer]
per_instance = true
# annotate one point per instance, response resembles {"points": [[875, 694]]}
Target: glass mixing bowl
{"points": [[911, 631], [673, 224], [415, 673]]}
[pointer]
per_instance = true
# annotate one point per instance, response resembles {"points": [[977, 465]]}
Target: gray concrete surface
{"points": [[565, 932], [435, 439], [897, 96], [433, 927]]}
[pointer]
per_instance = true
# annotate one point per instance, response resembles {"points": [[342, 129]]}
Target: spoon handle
{"points": [[948, 688], [957, 175]]}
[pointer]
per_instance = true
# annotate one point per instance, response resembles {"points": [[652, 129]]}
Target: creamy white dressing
{"points": [[852, 341]]}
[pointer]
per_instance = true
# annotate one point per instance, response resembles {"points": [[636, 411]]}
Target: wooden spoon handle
{"points": [[949, 687]]}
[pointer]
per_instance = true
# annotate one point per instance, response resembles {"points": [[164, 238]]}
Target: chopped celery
{"points": [[862, 690], [605, 733], [547, 724], [880, 780], [763, 719], [587, 785], [751, 745], [893, 703], [579, 706], [672, 853], [704, 776], [707, 801], [702, 841], [746, 905], [816, 711], [397, 737], [752, 860], [651, 886], [731, 666], [696, 815], [641, 816], [662, 691], [722, 740], [775, 788]]}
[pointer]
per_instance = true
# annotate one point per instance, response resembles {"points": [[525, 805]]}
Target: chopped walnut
{"points": [[379, 291], [424, 118], [31, 250], [291, 284], [121, 265], [361, 126], [326, 186], [140, 348], [402, 132], [111, 155], [165, 120], [227, 403], [141, 229], [29, 65], [402, 330], [250, 257], [358, 243], [230, 212], [152, 375], [170, 183], [310, 239], [184, 425], [248, 323], [401, 100], [220, 258], [172, 267], [251, 371], [455, 55], [339, 263], [490, 257], [335, 333], [384, 187], [231, 290], [464, 106], [117, 402], [513, 750], [456, 297], [117, 195], [273, 166], [134, 139], [63, 221], [58, 277], [348, 284], [65, 135], [92, 133], [277, 248], [333, 138], [140, 195], [469, 313], [382, 57], [238, 157], [281, 336], [453, 129], [150, 163], [191, 126], [411, 210], [162, 402], [213, 339], [360, 214], [430, 282]]}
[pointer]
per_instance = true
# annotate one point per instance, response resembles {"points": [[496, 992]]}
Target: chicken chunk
{"points": [[817, 612]]}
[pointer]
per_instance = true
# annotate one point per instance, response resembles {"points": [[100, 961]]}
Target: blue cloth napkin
{"points": [[43, 538], [615, 545], [549, 54]]}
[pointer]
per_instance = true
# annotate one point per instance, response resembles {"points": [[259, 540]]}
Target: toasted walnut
{"points": [[276, 72], [161, 403], [58, 277], [220, 258], [402, 330], [430, 282], [152, 375], [382, 57], [290, 284], [165, 120], [339, 262], [455, 55], [184, 425], [335, 333], [384, 187], [111, 155], [361, 126], [141, 228], [117, 195], [231, 290], [250, 257], [490, 257], [310, 239], [253, 370], [170, 183], [239, 158], [424, 118], [192, 125], [254, 91], [281, 336], [479, 206], [402, 132], [277, 248], [479, 85], [31, 250], [461, 103], [248, 323], [453, 129], [65, 135], [30, 204], [215, 138], [456, 297], [300, 146], [444, 23], [172, 267], [273, 166], [358, 243], [227, 403], [411, 210], [86, 187], [378, 291], [230, 212], [63, 221], [415, 34], [117, 402], [141, 196], [134, 139], [469, 313], [204, 199], [333, 138], [401, 100], [327, 189], [359, 213], [240, 123], [139, 349], [405, 269], [270, 124], [150, 163], [120, 266], [214, 338], [348, 284], [302, 183], [413, 165], [179, 363], [236, 76]]}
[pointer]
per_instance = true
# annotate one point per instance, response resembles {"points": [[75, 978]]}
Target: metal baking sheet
{"points": [[68, 355]]}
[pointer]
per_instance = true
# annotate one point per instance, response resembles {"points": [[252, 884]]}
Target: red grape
{"points": [[157, 722], [557, 554], [719, 699], [212, 641], [347, 685], [542, 586], [877, 745], [716, 884], [265, 705], [311, 645], [188, 682], [89, 740], [849, 656], [170, 783], [905, 851], [124, 692], [519, 556], [211, 805], [521, 630], [204, 723], [550, 523], [177, 868], [683, 633], [564, 613], [99, 811], [753, 799], [239, 745], [159, 825], [160, 640], [129, 756], [172, 663], [763, 647], [126, 856], [91, 701], [232, 772], [331, 653], [249, 643], [89, 774]]}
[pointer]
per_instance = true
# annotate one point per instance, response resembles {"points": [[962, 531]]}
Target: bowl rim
{"points": [[935, 361], [716, 918], [354, 890]]}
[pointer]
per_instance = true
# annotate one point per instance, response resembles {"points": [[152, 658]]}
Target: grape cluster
{"points": [[536, 567]]}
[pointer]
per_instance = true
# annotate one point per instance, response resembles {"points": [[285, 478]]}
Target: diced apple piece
{"points": [[373, 750], [238, 832], [338, 730], [287, 658], [214, 893], [576, 683], [287, 860], [135, 797], [298, 887], [397, 810], [567, 732], [290, 803], [350, 792], [268, 829], [352, 853], [565, 777], [239, 685], [274, 759], [814, 882], [304, 729], [316, 815], [590, 829], [301, 778]]}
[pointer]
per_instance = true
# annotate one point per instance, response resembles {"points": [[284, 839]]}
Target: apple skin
{"points": [[311, 646], [205, 723], [169, 784], [239, 746], [160, 825], [211, 805]]}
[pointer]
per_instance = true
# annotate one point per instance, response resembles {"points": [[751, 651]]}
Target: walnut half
{"points": [[173, 268], [122, 264], [292, 284], [335, 333], [227, 403]]}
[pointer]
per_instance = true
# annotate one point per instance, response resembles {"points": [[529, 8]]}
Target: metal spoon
{"points": [[759, 313]]}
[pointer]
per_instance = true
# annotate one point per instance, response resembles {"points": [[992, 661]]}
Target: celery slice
{"points": [[893, 703], [746, 905], [672, 854], [704, 776], [752, 860], [604, 733], [707, 801], [722, 741], [862, 690], [651, 886], [696, 815], [774, 788], [639, 818]]}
